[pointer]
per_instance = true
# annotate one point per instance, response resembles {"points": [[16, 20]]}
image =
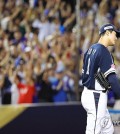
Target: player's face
{"points": [[112, 38]]}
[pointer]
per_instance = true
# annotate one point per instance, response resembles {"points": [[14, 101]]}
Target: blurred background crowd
{"points": [[38, 55]]}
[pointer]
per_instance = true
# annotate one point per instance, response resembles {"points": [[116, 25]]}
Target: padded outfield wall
{"points": [[59, 118], [43, 119]]}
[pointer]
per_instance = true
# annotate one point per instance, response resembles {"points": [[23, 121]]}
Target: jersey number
{"points": [[88, 67]]}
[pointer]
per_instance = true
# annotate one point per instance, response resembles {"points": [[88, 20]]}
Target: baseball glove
{"points": [[102, 81]]}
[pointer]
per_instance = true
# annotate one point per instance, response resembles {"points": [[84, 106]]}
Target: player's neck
{"points": [[103, 41]]}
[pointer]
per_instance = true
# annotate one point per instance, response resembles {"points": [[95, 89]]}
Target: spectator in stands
{"points": [[26, 90], [5, 87]]}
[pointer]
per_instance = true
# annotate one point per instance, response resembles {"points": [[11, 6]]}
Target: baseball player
{"points": [[98, 76]]}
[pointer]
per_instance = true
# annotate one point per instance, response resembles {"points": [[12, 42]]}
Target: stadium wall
{"points": [[43, 119]]}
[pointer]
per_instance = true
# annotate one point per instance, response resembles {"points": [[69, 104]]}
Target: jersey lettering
{"points": [[88, 66]]}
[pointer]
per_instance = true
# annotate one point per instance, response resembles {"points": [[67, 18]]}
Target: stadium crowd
{"points": [[38, 47]]}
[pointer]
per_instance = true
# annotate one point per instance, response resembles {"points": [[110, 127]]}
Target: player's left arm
{"points": [[114, 82]]}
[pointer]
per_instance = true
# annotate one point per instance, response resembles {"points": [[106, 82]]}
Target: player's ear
{"points": [[107, 32]]}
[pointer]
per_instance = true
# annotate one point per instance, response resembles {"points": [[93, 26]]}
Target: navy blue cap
{"points": [[109, 27]]}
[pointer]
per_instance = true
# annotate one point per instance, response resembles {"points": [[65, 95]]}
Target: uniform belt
{"points": [[104, 91]]}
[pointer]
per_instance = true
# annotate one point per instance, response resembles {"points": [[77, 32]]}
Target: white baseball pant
{"points": [[98, 117]]}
